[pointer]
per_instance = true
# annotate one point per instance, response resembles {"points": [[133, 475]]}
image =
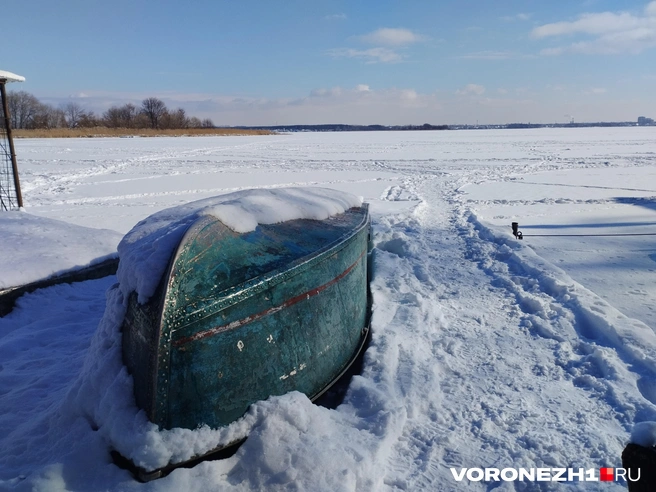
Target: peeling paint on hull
{"points": [[240, 317]]}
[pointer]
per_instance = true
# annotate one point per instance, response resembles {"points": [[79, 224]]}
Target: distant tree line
{"points": [[27, 112], [346, 128]]}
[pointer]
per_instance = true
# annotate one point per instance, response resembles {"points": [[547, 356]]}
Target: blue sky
{"points": [[391, 62]]}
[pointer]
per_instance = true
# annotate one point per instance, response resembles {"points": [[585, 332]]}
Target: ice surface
{"points": [[485, 352]]}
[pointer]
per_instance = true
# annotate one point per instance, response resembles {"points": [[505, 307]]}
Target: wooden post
{"points": [[12, 151]]}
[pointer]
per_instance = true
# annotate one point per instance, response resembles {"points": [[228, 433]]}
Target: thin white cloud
{"points": [[557, 87], [369, 100], [553, 51], [650, 9], [372, 55], [612, 32], [471, 90], [329, 93], [408, 95], [335, 17], [387, 36], [387, 40], [601, 23], [500, 102]]}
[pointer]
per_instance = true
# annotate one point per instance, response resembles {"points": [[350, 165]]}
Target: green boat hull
{"points": [[241, 317]]}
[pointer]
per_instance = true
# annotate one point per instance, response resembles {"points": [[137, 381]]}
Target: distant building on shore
{"points": [[644, 121]]}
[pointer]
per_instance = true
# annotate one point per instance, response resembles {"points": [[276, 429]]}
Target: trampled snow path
{"points": [[457, 320], [484, 354]]}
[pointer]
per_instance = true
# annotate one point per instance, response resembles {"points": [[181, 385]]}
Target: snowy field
{"points": [[486, 351]]}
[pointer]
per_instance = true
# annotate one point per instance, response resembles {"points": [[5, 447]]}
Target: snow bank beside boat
{"points": [[40, 248]]}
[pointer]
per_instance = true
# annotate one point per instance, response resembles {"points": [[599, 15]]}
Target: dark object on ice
{"points": [[516, 232], [639, 457], [240, 317], [147, 476]]}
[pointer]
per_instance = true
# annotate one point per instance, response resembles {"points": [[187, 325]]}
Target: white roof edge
{"points": [[11, 77]]}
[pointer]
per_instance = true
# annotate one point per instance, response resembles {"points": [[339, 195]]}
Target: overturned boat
{"points": [[238, 316]]}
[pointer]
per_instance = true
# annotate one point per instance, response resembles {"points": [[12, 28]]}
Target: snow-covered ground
{"points": [[486, 351]]}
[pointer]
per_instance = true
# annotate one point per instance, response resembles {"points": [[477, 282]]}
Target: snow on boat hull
{"points": [[240, 317]]}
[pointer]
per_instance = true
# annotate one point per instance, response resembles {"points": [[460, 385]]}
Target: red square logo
{"points": [[606, 474]]}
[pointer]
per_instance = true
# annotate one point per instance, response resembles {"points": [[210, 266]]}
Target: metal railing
{"points": [[10, 192]]}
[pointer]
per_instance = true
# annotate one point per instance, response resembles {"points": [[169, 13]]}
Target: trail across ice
{"points": [[490, 351]]}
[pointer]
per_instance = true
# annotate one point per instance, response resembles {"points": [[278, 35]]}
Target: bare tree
{"points": [[89, 120], [112, 117], [48, 117], [141, 121], [129, 115], [74, 113], [23, 107], [154, 109], [121, 116], [176, 119], [27, 112]]}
